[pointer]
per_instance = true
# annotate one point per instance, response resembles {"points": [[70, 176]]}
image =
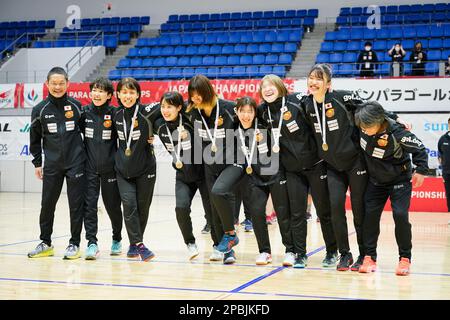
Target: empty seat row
{"points": [[222, 38], [234, 25], [15, 33], [145, 20], [74, 43], [46, 24], [423, 31], [396, 19], [314, 13], [136, 28], [402, 9], [187, 73], [265, 48], [258, 59], [382, 45]]}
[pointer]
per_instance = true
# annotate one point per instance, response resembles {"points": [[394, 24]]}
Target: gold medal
{"points": [[382, 142], [220, 121], [214, 148], [179, 164], [128, 152], [276, 148], [329, 113], [136, 123], [249, 170], [325, 147], [259, 137]]}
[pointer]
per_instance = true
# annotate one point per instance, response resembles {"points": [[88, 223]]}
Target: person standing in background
{"points": [[444, 161]]}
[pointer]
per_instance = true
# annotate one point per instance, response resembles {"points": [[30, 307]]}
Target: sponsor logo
{"points": [[3, 149], [4, 127], [26, 128], [5, 97], [25, 150], [360, 173], [415, 141], [429, 126], [49, 116], [32, 96]]}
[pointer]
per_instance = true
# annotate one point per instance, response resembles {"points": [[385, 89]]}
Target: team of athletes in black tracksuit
{"points": [[313, 138]]}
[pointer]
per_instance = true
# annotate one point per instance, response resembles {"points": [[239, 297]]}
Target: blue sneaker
{"points": [[227, 243], [116, 248], [92, 252], [301, 261], [229, 257], [248, 225], [133, 251], [145, 253]]}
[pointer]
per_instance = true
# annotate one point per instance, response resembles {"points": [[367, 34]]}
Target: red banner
{"points": [[430, 197]]}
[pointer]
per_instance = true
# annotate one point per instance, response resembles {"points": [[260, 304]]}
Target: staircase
{"points": [[111, 61], [305, 57]]}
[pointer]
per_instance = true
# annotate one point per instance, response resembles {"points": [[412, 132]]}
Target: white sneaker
{"points": [[193, 250], [216, 255], [263, 258], [289, 259]]}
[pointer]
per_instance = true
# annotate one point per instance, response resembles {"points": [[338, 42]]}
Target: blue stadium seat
{"points": [[347, 69], [340, 46], [245, 60], [204, 17], [183, 61], [434, 55], [379, 45], [345, 11], [409, 32], [240, 49], [226, 72], [139, 74], [350, 57], [191, 50], [179, 51], [123, 63], [342, 21], [252, 71], [171, 61], [196, 61], [302, 13], [175, 73], [233, 60], [447, 30], [392, 9], [285, 58], [277, 48], [136, 63], [330, 36], [343, 34], [327, 46], [271, 59], [446, 43], [144, 52], [213, 72], [395, 33], [423, 32], [258, 59], [203, 50], [323, 58], [445, 54], [114, 75], [220, 60], [159, 62], [357, 34], [336, 57], [436, 31], [239, 72], [208, 60], [369, 34], [147, 62], [382, 33], [354, 46], [264, 70], [188, 73], [127, 73], [279, 71], [432, 68], [313, 13], [215, 49], [290, 47], [133, 52]]}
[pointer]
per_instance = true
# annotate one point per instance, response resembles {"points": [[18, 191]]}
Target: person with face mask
{"points": [[418, 59], [367, 61], [397, 53]]}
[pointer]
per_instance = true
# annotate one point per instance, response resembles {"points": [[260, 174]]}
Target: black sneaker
{"points": [[229, 257], [206, 229], [357, 264], [345, 261], [301, 261], [330, 260]]}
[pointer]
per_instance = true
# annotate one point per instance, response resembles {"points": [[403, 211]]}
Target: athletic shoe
{"points": [[206, 229], [133, 251], [193, 250], [403, 267], [263, 258], [116, 248], [248, 225], [145, 254], [301, 261], [357, 264], [289, 259], [41, 250], [92, 252], [229, 257], [345, 261], [228, 242], [330, 260], [369, 265], [216, 255], [72, 252]]}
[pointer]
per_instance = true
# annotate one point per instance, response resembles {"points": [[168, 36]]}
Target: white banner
{"points": [[15, 138], [32, 94], [7, 94], [429, 128], [426, 94]]}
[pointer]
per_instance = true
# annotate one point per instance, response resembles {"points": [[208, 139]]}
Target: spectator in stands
{"points": [[418, 58], [447, 66], [397, 53], [367, 60]]}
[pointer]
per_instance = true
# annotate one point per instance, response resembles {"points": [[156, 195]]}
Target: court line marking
{"points": [[56, 282]]}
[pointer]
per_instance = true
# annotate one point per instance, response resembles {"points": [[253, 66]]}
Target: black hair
{"points": [[57, 70], [203, 87], [369, 114], [104, 84], [173, 98], [129, 83], [244, 101], [368, 43], [321, 71]]}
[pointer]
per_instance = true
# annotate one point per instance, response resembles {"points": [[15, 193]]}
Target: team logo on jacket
{"points": [[287, 115], [328, 106], [69, 114], [107, 123], [220, 121], [67, 108], [107, 117], [330, 113]]}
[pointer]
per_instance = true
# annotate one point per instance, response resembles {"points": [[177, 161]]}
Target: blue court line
{"points": [[170, 288], [271, 273]]}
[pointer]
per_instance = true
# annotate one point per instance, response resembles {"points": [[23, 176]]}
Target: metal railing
{"points": [[76, 59]]}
